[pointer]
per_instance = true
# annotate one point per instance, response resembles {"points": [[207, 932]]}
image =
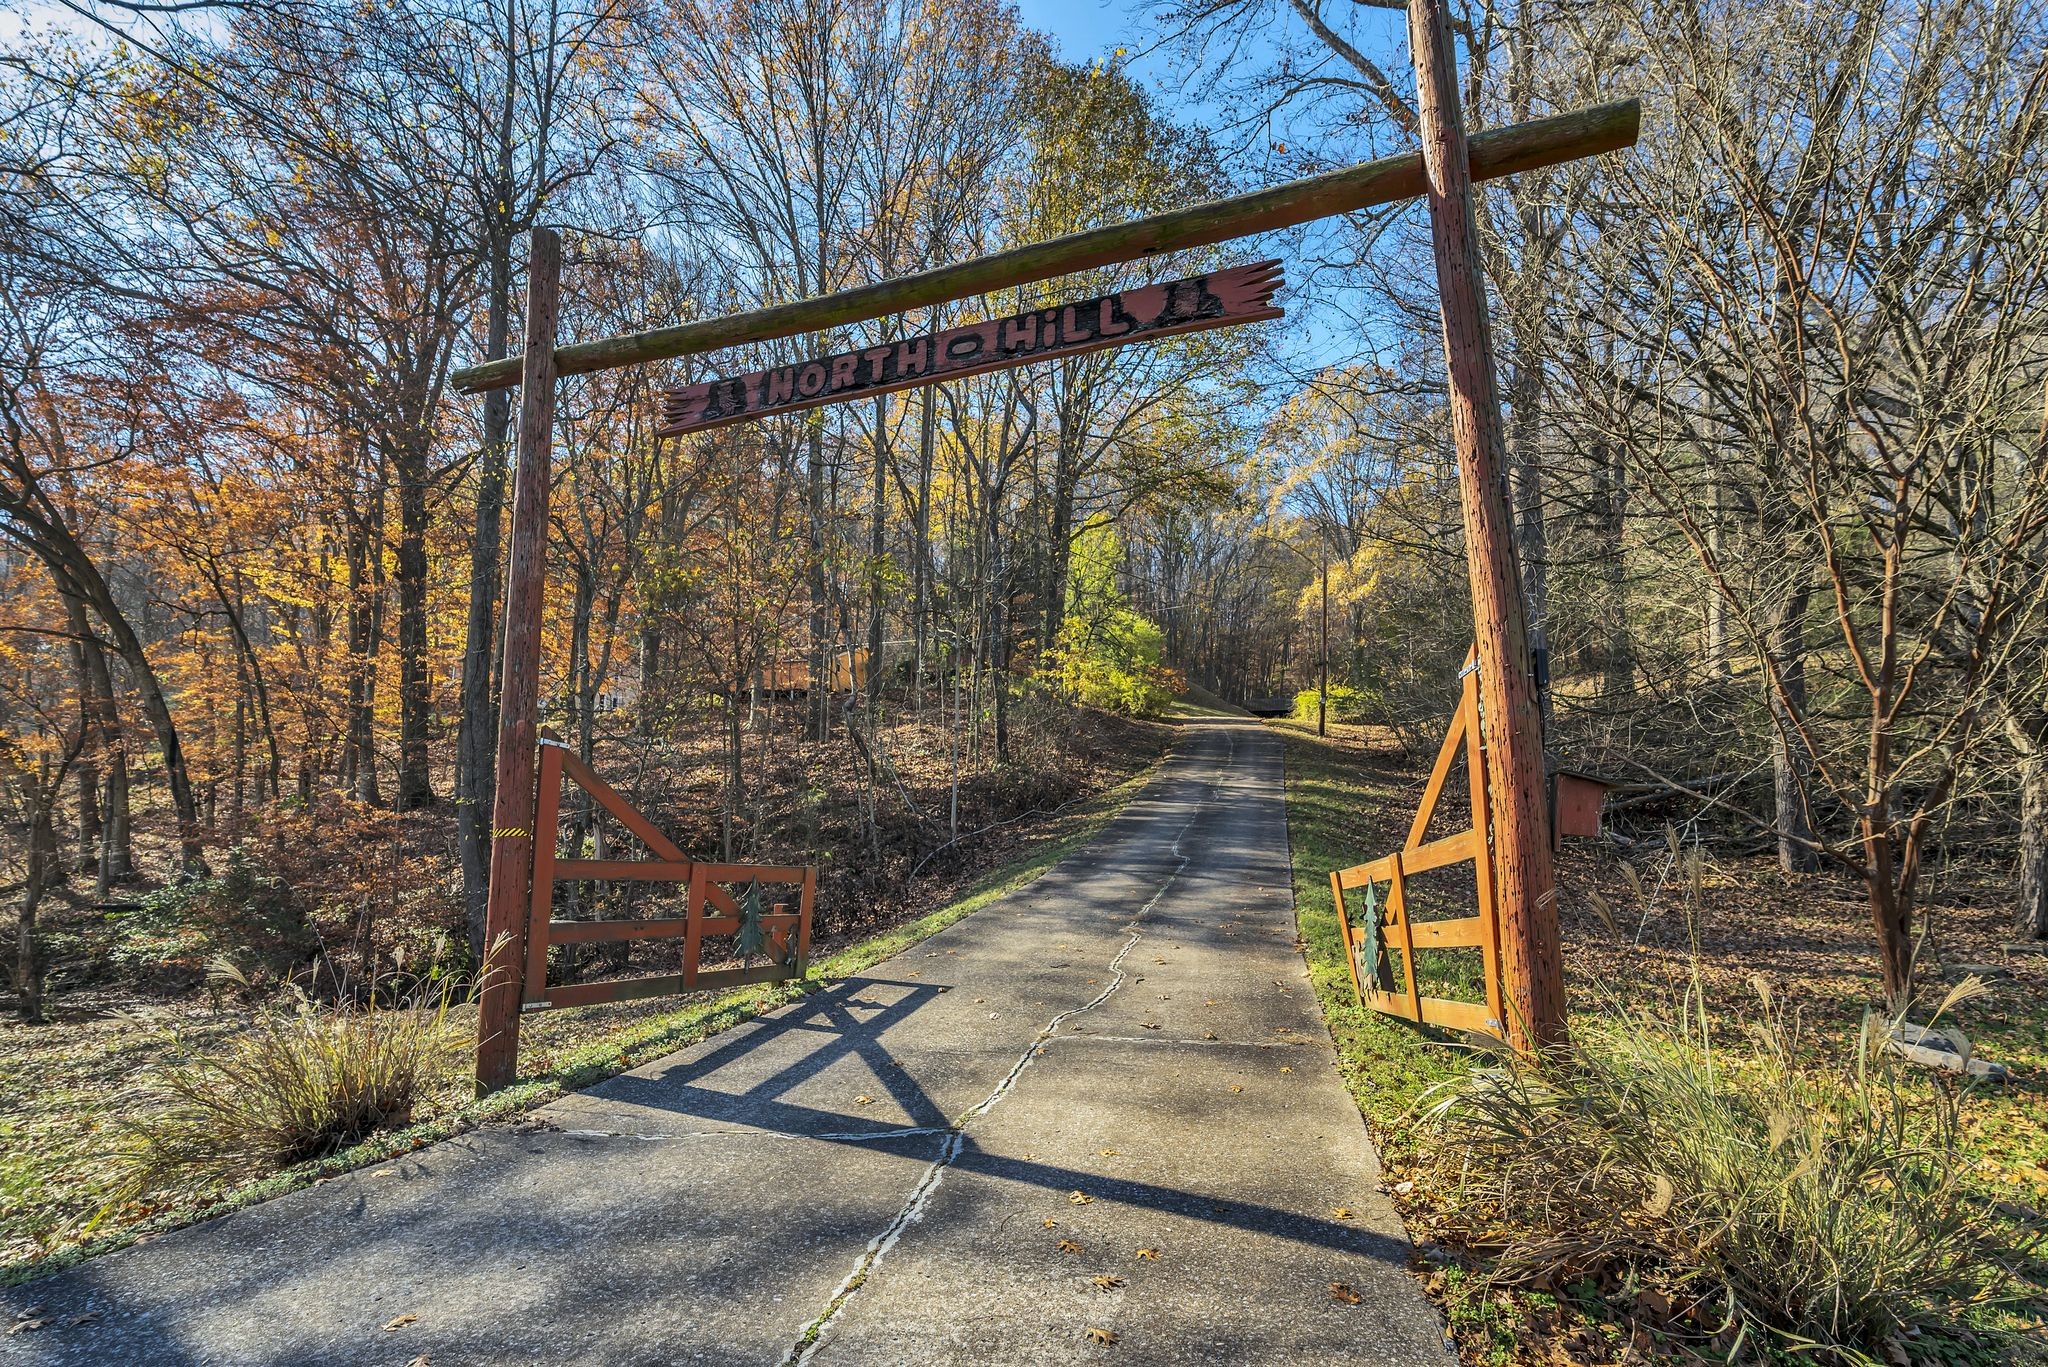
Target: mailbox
{"points": [[1575, 803]]}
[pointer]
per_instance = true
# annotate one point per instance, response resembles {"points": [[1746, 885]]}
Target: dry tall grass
{"points": [[1803, 1207], [301, 1083]]}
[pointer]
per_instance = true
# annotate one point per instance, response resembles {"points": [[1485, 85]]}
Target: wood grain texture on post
{"points": [[1532, 968], [512, 832]]}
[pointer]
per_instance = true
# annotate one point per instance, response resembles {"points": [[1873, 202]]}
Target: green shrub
{"points": [[244, 912], [300, 1083], [1107, 654], [1820, 1210], [1113, 662], [1347, 705]]}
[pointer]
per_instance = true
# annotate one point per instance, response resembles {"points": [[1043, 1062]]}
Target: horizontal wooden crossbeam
{"points": [[1437, 854], [1461, 932], [662, 928], [1441, 1011], [633, 989], [1500, 152]]}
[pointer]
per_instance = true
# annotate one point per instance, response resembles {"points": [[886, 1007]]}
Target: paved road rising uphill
{"points": [[1097, 1121]]}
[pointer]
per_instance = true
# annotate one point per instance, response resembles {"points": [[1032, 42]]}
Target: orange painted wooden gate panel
{"points": [[710, 909], [1386, 928]]}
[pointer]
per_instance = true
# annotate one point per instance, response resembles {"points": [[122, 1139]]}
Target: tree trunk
{"points": [[1890, 913], [1532, 535], [819, 696], [239, 748], [116, 854], [735, 773], [2032, 921], [1000, 653], [1617, 656], [90, 823], [921, 555], [582, 703], [360, 764], [42, 864], [415, 786], [1059, 550], [475, 764], [877, 545], [1715, 611], [1787, 644], [79, 579]]}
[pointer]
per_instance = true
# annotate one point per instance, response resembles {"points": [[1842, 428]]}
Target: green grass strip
{"points": [[1340, 814]]}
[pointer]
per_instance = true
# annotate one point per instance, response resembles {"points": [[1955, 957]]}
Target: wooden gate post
{"points": [[512, 833], [1510, 726]]}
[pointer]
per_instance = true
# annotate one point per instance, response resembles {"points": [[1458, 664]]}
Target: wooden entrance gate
{"points": [[772, 933], [1441, 171]]}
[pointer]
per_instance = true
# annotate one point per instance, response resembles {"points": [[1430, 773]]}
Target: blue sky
{"points": [[1084, 28]]}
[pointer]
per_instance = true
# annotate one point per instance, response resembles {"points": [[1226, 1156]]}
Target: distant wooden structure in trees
{"points": [[792, 678]]}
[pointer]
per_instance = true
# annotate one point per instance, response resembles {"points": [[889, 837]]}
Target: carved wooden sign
{"points": [[1242, 294]]}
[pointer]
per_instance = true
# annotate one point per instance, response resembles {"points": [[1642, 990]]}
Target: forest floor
{"points": [[1350, 799], [66, 1087]]}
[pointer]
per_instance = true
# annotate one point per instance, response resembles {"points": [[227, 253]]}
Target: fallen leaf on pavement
{"points": [[1340, 1212], [1079, 1198], [1052, 1224], [1341, 1292], [1101, 1335], [400, 1322], [1067, 1246], [863, 1100], [1150, 1255], [26, 1327], [1236, 1089], [1111, 1153], [1105, 1282]]}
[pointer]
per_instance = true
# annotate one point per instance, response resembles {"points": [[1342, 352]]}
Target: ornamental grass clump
{"points": [[300, 1083], [1778, 1203]]}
